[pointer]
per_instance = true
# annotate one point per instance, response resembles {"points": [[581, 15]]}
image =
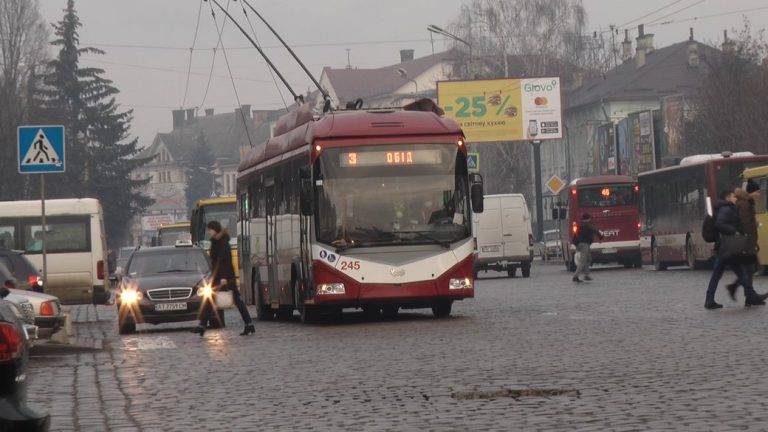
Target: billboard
{"points": [[504, 109], [153, 222], [641, 143], [606, 142], [622, 147], [673, 118]]}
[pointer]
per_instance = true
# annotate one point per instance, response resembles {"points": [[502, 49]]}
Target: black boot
{"points": [[249, 329], [199, 330], [711, 304], [576, 279], [758, 300], [732, 290]]}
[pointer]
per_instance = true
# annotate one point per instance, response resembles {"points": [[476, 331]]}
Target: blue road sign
{"points": [[41, 149], [473, 161]]}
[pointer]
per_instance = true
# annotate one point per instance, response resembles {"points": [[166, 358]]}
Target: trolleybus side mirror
{"points": [[306, 193], [476, 192]]}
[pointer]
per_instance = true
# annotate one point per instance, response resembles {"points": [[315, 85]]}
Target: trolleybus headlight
{"points": [[130, 296], [331, 288], [462, 283]]}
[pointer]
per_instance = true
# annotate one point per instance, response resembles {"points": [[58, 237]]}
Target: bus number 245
{"points": [[350, 265]]}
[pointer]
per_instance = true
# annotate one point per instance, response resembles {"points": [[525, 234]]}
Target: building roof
{"points": [[666, 71], [350, 84], [225, 134]]}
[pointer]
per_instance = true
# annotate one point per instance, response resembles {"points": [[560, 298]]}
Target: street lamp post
{"points": [[439, 30]]}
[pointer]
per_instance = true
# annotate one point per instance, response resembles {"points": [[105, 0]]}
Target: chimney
{"points": [[640, 58], [209, 112], [693, 55], [406, 55], [626, 47], [729, 46], [644, 41], [178, 118], [246, 109], [690, 38], [190, 115]]}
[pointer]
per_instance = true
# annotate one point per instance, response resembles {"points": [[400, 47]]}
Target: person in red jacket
{"points": [[224, 277]]}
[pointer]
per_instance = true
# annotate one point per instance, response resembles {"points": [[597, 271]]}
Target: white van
{"points": [[75, 244], [504, 235]]}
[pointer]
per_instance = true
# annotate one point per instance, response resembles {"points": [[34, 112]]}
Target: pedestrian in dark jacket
{"points": [[223, 276], [727, 223], [745, 207], [583, 239]]}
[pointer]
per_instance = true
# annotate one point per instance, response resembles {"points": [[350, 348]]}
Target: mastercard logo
{"points": [[540, 101]]}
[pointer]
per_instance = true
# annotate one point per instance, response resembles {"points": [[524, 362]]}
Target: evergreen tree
{"points": [[200, 164], [100, 154]]}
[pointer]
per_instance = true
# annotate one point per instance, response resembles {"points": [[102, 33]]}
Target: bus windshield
{"points": [[169, 236], [226, 214], [602, 196], [389, 195]]}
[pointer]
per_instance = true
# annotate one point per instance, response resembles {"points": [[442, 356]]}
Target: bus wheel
{"points": [[658, 265], [389, 312], [309, 314], [690, 255], [285, 313], [263, 311], [525, 269], [442, 309]]}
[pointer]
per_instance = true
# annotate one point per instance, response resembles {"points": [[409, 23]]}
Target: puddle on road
{"points": [[148, 343], [515, 393]]}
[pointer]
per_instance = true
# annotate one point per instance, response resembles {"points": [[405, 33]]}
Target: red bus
{"points": [[358, 209], [612, 202], [674, 203]]}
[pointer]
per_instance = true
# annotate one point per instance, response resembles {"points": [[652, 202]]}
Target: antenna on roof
{"points": [[326, 96], [258, 48]]}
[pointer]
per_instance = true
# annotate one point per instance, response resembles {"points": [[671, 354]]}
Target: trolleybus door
{"points": [[271, 240]]}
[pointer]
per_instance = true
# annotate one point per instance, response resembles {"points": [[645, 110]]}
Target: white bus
{"points": [[75, 245]]}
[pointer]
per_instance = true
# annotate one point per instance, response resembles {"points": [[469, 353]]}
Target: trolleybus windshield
{"points": [[390, 195]]}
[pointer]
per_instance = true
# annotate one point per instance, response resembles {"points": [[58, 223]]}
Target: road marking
{"points": [[149, 343]]}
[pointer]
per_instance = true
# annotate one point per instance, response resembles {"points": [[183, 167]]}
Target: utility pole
{"points": [[539, 198], [349, 63], [613, 46]]}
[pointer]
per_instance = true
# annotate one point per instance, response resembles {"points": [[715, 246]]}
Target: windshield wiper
{"points": [[175, 271], [424, 236]]}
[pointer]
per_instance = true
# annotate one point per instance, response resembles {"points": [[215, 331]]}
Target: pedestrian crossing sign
{"points": [[41, 149], [473, 161]]}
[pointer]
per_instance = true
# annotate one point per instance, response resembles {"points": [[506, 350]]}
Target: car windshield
{"points": [[387, 195], [169, 236], [21, 266], [607, 196], [190, 260]]}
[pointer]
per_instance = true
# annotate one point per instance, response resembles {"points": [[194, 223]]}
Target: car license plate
{"points": [[490, 248], [163, 307], [609, 250]]}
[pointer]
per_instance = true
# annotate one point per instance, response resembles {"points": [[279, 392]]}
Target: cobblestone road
{"points": [[635, 350]]}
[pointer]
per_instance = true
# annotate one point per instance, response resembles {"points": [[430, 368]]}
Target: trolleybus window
{"points": [[392, 195], [606, 196]]}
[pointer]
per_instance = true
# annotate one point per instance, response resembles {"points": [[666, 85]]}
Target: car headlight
{"points": [[130, 296], [331, 288], [461, 283], [205, 291]]}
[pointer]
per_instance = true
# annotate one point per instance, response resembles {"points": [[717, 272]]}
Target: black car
{"points": [[164, 284], [15, 415], [22, 269]]}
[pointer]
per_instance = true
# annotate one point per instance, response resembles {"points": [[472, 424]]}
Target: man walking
{"points": [[745, 206], [583, 239], [727, 223]]}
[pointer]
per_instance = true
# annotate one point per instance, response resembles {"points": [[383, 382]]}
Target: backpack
{"points": [[708, 230]]}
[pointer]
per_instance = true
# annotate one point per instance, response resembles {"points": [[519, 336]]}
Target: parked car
{"points": [[15, 415], [22, 269], [45, 309], [22, 303], [123, 255], [551, 245], [164, 284], [504, 235]]}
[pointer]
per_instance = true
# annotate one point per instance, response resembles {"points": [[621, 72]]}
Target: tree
{"points": [[100, 154], [200, 179], [729, 110], [23, 41]]}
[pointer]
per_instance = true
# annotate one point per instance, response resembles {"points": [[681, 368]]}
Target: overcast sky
{"points": [[147, 42]]}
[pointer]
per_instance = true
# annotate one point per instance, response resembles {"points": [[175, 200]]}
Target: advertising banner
{"points": [[504, 109], [673, 117], [153, 222], [606, 142], [622, 147], [642, 146]]}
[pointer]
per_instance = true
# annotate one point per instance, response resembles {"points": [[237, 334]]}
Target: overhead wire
{"points": [[676, 12], [714, 15], [191, 54], [622, 26], [271, 73], [213, 59], [169, 70], [226, 60], [305, 45]]}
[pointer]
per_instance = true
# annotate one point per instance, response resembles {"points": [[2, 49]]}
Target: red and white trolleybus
{"points": [[358, 209]]}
